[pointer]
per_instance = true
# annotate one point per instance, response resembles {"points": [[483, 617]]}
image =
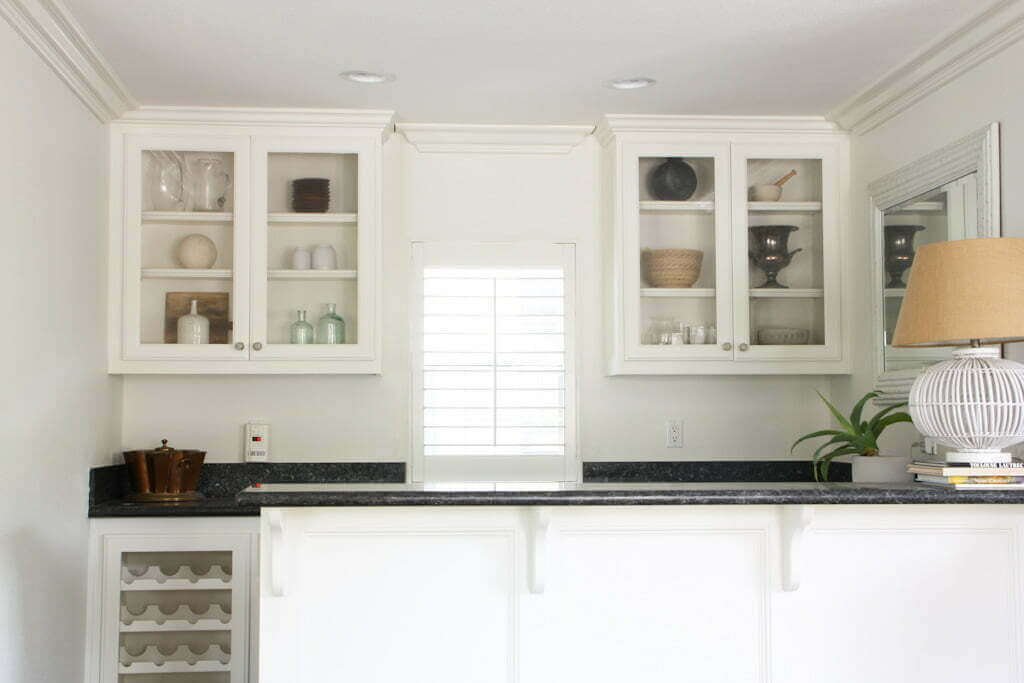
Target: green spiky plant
{"points": [[854, 437]]}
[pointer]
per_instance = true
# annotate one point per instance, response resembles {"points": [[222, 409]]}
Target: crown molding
{"points": [[936, 65], [493, 139], [382, 120], [617, 124], [48, 27]]}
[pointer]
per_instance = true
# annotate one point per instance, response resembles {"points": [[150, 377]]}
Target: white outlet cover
{"points": [[257, 442]]}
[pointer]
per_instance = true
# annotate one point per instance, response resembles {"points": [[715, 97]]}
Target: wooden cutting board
{"points": [[213, 305]]}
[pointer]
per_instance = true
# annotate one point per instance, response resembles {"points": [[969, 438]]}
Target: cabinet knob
{"points": [[256, 346], [727, 346], [744, 346], [239, 346]]}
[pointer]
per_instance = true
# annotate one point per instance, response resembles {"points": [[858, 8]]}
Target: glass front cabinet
{"points": [[723, 249], [246, 249]]}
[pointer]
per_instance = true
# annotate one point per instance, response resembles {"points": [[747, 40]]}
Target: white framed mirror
{"points": [[952, 193]]}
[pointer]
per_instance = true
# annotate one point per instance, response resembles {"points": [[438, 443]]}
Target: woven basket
{"points": [[671, 267]]}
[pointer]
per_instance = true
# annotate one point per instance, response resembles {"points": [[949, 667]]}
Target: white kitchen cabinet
{"points": [[250, 293], [171, 598], [735, 318], [898, 593]]}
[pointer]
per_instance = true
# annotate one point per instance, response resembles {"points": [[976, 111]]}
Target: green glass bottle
{"points": [[301, 331], [330, 329]]}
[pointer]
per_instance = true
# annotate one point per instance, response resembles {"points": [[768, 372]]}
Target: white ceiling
{"points": [[515, 62]]}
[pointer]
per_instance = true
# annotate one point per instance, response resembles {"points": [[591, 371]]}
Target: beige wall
{"points": [[60, 408], [989, 92], [482, 197]]}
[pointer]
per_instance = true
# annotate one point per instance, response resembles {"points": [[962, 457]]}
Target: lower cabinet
{"points": [[171, 600], [545, 595]]}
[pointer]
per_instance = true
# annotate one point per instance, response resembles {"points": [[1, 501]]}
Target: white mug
{"points": [[301, 259], [324, 257]]}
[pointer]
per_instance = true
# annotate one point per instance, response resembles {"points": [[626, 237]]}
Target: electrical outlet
{"points": [[673, 433], [257, 442]]}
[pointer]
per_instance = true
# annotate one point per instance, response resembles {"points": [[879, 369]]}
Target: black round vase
{"points": [[899, 252], [673, 180]]}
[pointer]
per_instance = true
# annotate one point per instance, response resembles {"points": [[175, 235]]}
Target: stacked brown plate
{"points": [[311, 195]]}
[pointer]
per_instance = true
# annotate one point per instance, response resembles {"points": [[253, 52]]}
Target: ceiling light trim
{"points": [[48, 27], [493, 139], [940, 62]]}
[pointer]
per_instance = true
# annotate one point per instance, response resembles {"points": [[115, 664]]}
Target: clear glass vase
{"points": [[301, 331], [330, 329]]}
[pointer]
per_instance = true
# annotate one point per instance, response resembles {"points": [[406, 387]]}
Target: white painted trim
{"points": [[493, 139], [974, 153], [617, 124], [940, 62], [48, 27], [268, 116]]}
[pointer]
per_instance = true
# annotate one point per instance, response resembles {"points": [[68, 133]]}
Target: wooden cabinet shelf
{"points": [[186, 217], [312, 218], [650, 206], [312, 274], [784, 207], [186, 274]]}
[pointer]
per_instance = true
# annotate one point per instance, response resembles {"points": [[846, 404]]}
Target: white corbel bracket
{"points": [[794, 521], [538, 524], [275, 545]]}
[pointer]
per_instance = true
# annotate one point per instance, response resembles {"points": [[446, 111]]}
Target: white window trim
{"points": [[495, 468]]}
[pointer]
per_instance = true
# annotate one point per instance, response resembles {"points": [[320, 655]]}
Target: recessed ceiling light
{"points": [[633, 83], [367, 77]]}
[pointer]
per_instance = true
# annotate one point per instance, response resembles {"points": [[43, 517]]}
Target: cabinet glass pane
{"points": [[312, 245], [786, 257], [677, 235], [187, 245]]}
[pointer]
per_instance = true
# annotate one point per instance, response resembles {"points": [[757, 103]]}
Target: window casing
{"points": [[493, 362]]}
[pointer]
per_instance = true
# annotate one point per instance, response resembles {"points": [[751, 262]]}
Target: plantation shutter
{"points": [[493, 362]]}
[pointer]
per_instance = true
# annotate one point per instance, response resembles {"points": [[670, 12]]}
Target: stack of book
{"points": [[964, 476]]}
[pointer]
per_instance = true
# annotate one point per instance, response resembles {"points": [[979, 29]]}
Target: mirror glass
{"points": [[948, 212]]}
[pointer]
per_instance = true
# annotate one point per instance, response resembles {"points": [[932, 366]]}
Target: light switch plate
{"points": [[257, 442]]}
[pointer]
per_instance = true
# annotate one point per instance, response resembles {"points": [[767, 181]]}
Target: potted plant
{"points": [[859, 439]]}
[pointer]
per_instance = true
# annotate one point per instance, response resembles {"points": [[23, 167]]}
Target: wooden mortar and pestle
{"points": [[772, 191]]}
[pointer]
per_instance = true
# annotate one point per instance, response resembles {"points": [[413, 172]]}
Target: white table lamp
{"points": [[967, 293]]}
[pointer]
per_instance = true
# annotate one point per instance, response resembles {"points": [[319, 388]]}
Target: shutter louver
{"points": [[494, 361]]}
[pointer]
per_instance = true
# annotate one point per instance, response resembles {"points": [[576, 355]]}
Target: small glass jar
{"points": [[698, 334], [301, 331], [712, 336], [330, 329]]}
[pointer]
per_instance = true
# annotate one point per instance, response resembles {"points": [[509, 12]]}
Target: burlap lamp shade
{"points": [[967, 293]]}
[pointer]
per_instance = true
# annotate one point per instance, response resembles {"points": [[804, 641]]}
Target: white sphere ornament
{"points": [[973, 404], [196, 251]]}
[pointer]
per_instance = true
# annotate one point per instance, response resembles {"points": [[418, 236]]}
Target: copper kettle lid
{"points": [[164, 448]]}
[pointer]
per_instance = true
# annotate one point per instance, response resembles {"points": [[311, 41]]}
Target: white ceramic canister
{"points": [[324, 257], [301, 259]]}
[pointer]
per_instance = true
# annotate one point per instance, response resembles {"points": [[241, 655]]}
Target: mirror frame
{"points": [[975, 153]]}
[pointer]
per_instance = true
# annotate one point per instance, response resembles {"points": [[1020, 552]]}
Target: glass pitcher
{"points": [[210, 184]]}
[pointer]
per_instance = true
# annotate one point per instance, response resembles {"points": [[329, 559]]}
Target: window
{"points": [[493, 362]]}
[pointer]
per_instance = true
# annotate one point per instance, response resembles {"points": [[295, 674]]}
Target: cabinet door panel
{"points": [[334, 218], [393, 605], [185, 237], [648, 604], [900, 606], [786, 268]]}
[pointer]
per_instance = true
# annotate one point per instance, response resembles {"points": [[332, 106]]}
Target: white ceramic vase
{"points": [[301, 259], [197, 251], [193, 328], [324, 257], [881, 469]]}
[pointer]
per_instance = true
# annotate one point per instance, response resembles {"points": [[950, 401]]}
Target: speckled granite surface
{"points": [[221, 482], [710, 471], [362, 495]]}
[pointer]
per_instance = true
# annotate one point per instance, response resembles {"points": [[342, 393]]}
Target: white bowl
{"points": [[783, 336], [765, 193]]}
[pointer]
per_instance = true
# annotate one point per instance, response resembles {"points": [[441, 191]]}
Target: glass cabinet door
{"points": [[677, 256], [785, 208], [186, 246], [314, 246]]}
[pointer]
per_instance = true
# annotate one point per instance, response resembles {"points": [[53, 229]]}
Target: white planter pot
{"points": [[881, 469]]}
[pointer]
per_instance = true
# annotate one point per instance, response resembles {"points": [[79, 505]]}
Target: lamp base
{"points": [[979, 456]]}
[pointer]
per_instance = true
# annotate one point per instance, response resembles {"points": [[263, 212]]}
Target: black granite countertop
{"points": [[363, 495]]}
